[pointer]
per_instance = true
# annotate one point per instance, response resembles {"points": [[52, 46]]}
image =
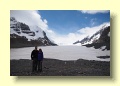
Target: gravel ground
{"points": [[53, 67]]}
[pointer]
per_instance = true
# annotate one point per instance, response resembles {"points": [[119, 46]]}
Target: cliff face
{"points": [[97, 40], [104, 40], [22, 35]]}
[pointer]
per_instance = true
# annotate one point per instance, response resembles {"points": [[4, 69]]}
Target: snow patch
{"points": [[109, 34], [38, 31], [103, 47], [77, 44], [15, 25]]}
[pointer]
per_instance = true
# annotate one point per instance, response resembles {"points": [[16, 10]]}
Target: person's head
{"points": [[40, 50], [35, 47]]}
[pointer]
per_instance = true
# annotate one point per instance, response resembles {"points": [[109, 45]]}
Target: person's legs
{"points": [[34, 65], [40, 65]]}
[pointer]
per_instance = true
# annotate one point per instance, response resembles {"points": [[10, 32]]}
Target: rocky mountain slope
{"points": [[22, 35], [98, 40]]}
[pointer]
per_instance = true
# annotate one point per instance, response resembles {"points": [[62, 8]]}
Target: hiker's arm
{"points": [[42, 56], [32, 55]]}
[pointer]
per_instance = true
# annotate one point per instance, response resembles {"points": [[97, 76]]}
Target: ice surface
{"points": [[61, 53]]}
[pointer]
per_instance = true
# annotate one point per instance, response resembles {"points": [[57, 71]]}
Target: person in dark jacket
{"points": [[40, 59], [34, 57]]}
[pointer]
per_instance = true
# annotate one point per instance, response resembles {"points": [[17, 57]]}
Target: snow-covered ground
{"points": [[62, 53]]}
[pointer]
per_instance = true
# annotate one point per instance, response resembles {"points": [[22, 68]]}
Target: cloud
{"points": [[93, 21], [94, 11], [30, 17], [70, 38], [34, 18], [88, 31]]}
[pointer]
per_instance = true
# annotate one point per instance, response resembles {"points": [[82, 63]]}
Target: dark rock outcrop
{"points": [[19, 40]]}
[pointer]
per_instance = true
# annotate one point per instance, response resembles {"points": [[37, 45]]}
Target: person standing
{"points": [[40, 59], [34, 57]]}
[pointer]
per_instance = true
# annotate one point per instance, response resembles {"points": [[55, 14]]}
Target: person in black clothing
{"points": [[40, 59], [34, 57]]}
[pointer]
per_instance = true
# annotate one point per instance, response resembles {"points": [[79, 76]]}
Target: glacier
{"points": [[61, 53]]}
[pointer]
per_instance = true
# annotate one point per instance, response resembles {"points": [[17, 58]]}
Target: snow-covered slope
{"points": [[99, 38], [21, 29], [22, 32], [94, 37]]}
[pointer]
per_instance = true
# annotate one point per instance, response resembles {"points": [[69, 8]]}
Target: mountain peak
{"points": [[30, 34], [101, 37]]}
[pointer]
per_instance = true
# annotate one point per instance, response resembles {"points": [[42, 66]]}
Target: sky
{"points": [[64, 27]]}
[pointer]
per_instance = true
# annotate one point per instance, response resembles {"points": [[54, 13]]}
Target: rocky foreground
{"points": [[53, 67]]}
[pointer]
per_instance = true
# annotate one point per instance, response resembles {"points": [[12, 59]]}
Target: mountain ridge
{"points": [[98, 39], [22, 35]]}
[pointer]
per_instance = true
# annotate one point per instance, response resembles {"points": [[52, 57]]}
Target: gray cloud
{"points": [[94, 11]]}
